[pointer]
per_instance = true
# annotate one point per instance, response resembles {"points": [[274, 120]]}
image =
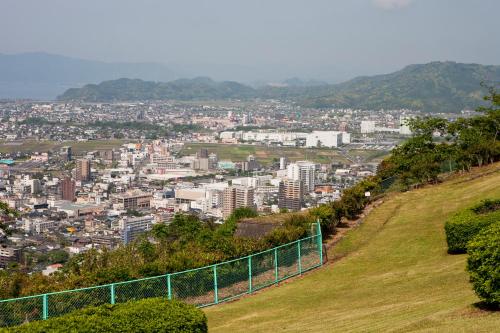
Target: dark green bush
{"points": [[464, 225], [483, 264], [149, 315], [487, 206]]}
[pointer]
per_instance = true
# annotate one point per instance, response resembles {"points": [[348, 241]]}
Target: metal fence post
{"points": [[320, 243], [276, 273], [169, 287], [45, 307], [112, 292], [300, 257], [216, 294], [250, 274]]}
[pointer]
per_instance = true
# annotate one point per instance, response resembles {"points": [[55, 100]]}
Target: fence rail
{"points": [[202, 286]]}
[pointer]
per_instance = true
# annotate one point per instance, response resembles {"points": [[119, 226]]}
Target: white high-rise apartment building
{"points": [[304, 171]]}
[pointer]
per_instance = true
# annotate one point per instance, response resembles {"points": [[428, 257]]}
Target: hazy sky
{"points": [[269, 39]]}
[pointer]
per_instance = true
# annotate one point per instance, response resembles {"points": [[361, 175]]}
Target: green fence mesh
{"points": [[201, 287], [21, 310]]}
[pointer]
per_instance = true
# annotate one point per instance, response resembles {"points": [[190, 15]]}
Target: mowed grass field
{"points": [[395, 274], [45, 145], [266, 155]]}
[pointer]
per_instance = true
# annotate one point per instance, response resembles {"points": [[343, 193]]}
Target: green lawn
{"points": [[395, 275], [266, 155]]}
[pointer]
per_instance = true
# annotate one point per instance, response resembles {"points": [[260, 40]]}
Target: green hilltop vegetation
{"points": [[135, 89], [436, 86], [432, 87]]}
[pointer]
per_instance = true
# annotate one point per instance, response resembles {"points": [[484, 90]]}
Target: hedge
{"points": [[483, 264], [464, 225], [148, 315]]}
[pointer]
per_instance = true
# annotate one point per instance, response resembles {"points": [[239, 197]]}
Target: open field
{"points": [[266, 155], [43, 146], [395, 276]]}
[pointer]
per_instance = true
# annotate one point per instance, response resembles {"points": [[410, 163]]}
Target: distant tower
{"points": [[236, 197], [203, 153], [290, 194], [283, 163], [304, 171], [140, 115], [83, 170], [66, 153], [343, 126], [68, 189]]}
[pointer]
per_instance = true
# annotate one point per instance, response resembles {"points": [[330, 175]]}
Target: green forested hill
{"points": [[135, 89], [432, 87]]}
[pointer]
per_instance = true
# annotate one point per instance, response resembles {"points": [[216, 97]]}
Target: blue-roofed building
{"points": [[7, 161]]}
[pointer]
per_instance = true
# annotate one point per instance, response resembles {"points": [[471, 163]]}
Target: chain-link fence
{"points": [[202, 286]]}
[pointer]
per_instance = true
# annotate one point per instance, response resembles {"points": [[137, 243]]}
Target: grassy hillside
{"points": [[396, 277]]}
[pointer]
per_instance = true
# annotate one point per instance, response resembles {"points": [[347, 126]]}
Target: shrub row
{"points": [[149, 315], [351, 204], [483, 264], [464, 225]]}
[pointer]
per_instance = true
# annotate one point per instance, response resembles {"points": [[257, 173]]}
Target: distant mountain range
{"points": [[432, 87], [44, 76]]}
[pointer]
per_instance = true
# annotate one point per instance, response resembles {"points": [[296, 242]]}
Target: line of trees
{"points": [[186, 243], [439, 145]]}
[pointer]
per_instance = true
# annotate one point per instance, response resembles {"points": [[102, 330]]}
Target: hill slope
{"points": [[436, 86], [433, 87], [397, 276]]}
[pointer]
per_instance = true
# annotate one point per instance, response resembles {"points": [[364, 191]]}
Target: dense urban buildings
{"points": [[107, 180]]}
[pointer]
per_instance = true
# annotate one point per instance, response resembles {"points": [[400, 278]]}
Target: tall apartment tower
{"points": [[66, 153], [236, 197], [203, 153], [290, 195], [68, 189], [283, 162], [304, 171], [83, 170]]}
